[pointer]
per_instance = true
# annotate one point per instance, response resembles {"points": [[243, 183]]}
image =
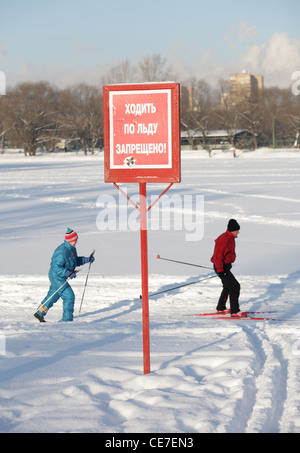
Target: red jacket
{"points": [[224, 252]]}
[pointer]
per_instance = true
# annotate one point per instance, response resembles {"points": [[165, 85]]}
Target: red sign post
{"points": [[142, 144]]}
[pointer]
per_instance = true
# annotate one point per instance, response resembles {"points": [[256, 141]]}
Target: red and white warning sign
{"points": [[142, 144], [141, 133]]}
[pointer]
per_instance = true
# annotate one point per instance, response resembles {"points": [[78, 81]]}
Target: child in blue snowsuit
{"points": [[63, 263]]}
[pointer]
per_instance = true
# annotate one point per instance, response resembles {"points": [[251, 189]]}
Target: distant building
{"points": [[245, 86], [215, 139], [186, 95]]}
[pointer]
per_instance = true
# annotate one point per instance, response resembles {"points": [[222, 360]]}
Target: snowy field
{"points": [[207, 375]]}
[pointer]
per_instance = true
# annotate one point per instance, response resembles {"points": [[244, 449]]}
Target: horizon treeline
{"points": [[39, 114]]}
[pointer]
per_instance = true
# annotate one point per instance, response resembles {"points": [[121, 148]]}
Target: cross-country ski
{"points": [[242, 318], [227, 312]]}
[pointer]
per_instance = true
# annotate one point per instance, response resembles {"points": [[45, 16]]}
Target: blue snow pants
{"points": [[68, 297]]}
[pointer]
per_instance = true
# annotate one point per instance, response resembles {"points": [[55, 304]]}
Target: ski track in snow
{"points": [[206, 375]]}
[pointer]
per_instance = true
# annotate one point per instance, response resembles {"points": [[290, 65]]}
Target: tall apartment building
{"points": [[245, 86]]}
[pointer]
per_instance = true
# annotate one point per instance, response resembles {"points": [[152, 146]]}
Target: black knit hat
{"points": [[233, 225]]}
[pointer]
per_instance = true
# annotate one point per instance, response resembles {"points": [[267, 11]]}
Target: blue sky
{"points": [[70, 41]]}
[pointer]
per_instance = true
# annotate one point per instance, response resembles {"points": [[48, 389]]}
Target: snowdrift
{"points": [[207, 375]]}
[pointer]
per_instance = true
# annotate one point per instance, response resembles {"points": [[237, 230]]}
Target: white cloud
{"points": [[246, 32], [276, 59], [209, 68], [240, 33], [57, 74]]}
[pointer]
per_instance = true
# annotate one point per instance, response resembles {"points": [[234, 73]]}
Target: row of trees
{"points": [[34, 115]]}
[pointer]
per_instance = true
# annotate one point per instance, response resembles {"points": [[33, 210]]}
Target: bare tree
{"points": [[276, 107], [154, 69], [226, 113], [81, 115], [196, 106], [251, 112], [295, 127], [293, 116], [124, 72], [31, 115]]}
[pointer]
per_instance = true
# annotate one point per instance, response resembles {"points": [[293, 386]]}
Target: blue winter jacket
{"points": [[64, 258]]}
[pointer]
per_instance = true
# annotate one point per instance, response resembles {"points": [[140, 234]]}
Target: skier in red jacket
{"points": [[223, 257]]}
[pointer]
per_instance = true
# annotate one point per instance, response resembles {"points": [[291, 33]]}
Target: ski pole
{"points": [[70, 276], [182, 262], [181, 286], [87, 276]]}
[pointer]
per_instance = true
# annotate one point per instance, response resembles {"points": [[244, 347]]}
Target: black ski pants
{"points": [[231, 289]]}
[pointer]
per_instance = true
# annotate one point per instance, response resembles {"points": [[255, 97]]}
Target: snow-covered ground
{"points": [[206, 375]]}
